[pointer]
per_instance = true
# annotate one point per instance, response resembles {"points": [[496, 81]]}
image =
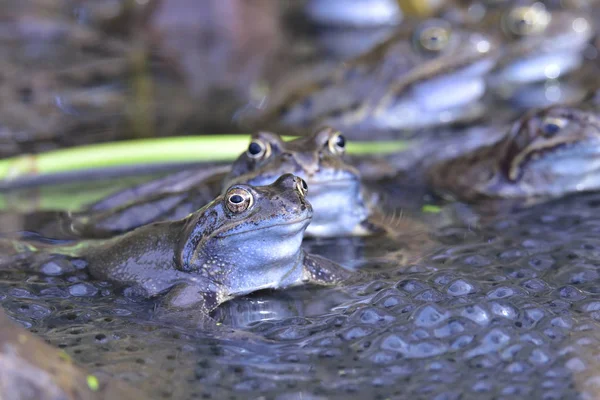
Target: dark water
{"points": [[503, 309]]}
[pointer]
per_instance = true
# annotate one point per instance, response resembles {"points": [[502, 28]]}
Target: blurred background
{"points": [[82, 71]]}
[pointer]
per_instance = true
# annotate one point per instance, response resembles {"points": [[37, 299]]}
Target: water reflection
{"points": [[250, 311]]}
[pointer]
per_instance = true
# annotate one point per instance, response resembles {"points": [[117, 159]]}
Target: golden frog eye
{"points": [[337, 143], [301, 186], [434, 38], [258, 149], [239, 200], [551, 126], [523, 21]]}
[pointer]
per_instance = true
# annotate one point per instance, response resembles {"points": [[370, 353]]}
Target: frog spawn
{"points": [[507, 309]]}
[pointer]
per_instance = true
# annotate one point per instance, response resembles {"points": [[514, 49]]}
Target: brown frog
{"points": [[424, 75], [247, 239], [547, 153], [336, 190]]}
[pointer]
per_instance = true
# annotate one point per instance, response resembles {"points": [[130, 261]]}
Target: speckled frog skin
{"points": [[426, 74], [245, 240], [336, 192], [335, 186], [548, 153]]}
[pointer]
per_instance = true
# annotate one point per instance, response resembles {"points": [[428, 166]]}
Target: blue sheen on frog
{"points": [[548, 153], [428, 74], [247, 239], [336, 190]]}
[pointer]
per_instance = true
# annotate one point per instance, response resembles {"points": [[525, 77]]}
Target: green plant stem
{"points": [[150, 151]]}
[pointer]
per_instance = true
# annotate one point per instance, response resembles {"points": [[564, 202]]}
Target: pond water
{"points": [[503, 307]]}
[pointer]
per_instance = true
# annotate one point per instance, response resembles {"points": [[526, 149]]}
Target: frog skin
{"points": [[245, 240], [336, 190], [335, 186], [548, 153], [541, 44], [357, 14], [402, 83], [540, 47]]}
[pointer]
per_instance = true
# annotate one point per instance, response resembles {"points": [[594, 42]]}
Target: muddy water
{"points": [[503, 307]]}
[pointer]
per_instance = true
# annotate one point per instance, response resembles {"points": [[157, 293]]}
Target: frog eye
{"points": [[434, 38], [522, 21], [301, 186], [258, 149], [337, 143], [239, 200], [551, 126]]}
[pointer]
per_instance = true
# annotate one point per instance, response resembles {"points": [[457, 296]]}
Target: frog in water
{"points": [[423, 75], [336, 190], [547, 153], [543, 62], [245, 240], [436, 74], [540, 47]]}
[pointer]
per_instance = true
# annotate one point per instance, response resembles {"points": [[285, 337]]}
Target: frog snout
{"points": [[295, 184], [292, 182]]}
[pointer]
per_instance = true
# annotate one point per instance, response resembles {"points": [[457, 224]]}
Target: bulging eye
{"points": [[337, 143], [523, 21], [258, 149], [301, 186], [552, 126], [433, 38], [239, 200]]}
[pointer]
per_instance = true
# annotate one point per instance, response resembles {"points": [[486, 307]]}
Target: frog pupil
{"points": [[254, 148], [304, 185], [236, 199], [551, 129], [340, 141]]}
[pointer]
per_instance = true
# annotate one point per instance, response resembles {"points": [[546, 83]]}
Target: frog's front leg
{"points": [[321, 271], [188, 306]]}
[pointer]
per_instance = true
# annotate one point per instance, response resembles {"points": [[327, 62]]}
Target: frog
{"points": [[342, 206], [357, 14], [245, 240], [546, 154], [541, 46], [401, 84]]}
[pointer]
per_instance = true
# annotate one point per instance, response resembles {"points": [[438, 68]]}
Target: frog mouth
{"points": [[293, 226]]}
